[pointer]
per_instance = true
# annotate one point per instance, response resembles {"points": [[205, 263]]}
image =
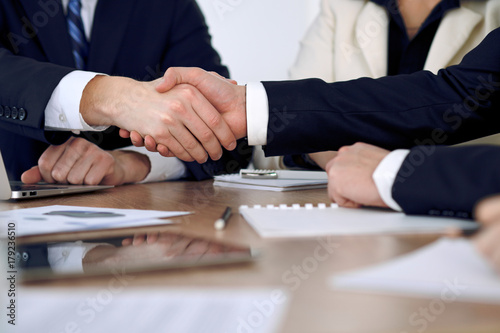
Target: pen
{"points": [[222, 221]]}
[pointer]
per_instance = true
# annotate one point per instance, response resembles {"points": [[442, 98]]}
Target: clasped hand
{"points": [[203, 112]]}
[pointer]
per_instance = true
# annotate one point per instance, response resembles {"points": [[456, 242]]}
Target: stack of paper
{"points": [[449, 269], [309, 221]]}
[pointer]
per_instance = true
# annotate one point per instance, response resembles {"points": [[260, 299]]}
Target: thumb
{"points": [[178, 75], [32, 176]]}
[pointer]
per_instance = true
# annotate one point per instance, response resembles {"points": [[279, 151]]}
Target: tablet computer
{"points": [[129, 253]]}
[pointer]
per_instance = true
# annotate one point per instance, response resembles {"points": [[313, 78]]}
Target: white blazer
{"points": [[349, 39]]}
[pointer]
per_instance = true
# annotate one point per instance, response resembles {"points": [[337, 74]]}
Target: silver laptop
{"points": [[18, 190]]}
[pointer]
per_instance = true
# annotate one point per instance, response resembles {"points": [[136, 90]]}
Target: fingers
{"points": [[488, 210], [178, 75], [124, 133], [75, 162], [195, 127], [136, 139], [487, 244], [150, 143], [32, 176]]}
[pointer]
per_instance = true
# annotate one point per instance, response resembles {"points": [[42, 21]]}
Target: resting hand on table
{"points": [[224, 95], [350, 182], [79, 161], [488, 241]]}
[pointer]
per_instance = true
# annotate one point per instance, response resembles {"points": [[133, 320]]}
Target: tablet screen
{"points": [[132, 253]]}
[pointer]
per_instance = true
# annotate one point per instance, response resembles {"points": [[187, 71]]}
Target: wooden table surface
{"points": [[314, 306]]}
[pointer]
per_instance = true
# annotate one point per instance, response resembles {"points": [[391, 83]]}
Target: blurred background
{"points": [[258, 39]]}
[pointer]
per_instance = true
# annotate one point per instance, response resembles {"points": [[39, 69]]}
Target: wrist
{"points": [[103, 101], [135, 166]]}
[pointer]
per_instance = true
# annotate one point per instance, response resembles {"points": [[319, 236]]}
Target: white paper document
{"points": [[310, 221], [50, 219], [448, 269], [123, 309]]}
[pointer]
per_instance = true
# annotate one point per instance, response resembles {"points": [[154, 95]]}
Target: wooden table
{"points": [[314, 307]]}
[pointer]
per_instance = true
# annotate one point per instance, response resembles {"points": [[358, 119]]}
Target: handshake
{"points": [[189, 113]]}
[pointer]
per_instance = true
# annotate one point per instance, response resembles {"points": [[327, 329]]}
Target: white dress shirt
{"points": [[63, 109], [257, 121]]}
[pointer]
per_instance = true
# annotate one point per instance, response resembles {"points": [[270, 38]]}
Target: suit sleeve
{"points": [[190, 42], [26, 86], [446, 181], [460, 103]]}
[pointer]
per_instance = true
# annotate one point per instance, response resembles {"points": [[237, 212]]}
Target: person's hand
{"points": [[228, 98], [180, 119], [488, 241], [79, 161], [322, 158], [350, 182]]}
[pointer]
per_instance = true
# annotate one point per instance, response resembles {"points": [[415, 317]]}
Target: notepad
{"points": [[320, 220], [447, 270], [289, 181]]}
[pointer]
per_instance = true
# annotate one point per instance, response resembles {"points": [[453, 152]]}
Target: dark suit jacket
{"points": [[458, 104], [139, 39]]}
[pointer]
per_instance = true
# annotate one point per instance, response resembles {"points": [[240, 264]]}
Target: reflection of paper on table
{"points": [[122, 309], [448, 268], [49, 219], [309, 221]]}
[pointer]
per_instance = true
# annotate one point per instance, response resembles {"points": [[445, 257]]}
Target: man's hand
{"points": [[488, 241], [322, 158], [350, 182], [225, 95], [80, 162], [181, 119]]}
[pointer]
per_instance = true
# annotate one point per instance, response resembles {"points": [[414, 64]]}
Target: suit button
{"points": [[1, 110], [22, 114], [14, 112], [7, 112], [26, 256]]}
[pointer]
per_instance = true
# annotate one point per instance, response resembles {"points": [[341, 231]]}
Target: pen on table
{"points": [[222, 221]]}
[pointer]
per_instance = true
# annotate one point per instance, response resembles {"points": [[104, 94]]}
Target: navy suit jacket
{"points": [[139, 39], [460, 103]]}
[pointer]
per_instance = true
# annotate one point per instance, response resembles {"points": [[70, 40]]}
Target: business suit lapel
{"points": [[372, 37], [454, 31], [51, 30], [108, 31]]}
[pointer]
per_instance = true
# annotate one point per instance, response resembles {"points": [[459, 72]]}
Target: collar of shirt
{"points": [[88, 10]]}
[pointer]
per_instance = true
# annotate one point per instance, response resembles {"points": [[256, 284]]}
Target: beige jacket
{"points": [[349, 39]]}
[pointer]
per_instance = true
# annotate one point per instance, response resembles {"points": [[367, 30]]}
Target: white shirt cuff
{"points": [[68, 257], [257, 114], [162, 168], [63, 109], [385, 175]]}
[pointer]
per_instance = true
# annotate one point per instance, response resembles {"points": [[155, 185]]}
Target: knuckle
{"points": [[191, 145], [175, 106], [214, 121], [206, 136]]}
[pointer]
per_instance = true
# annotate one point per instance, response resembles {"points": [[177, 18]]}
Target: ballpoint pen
{"points": [[222, 221]]}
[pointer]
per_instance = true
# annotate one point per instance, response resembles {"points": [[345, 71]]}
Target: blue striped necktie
{"points": [[77, 34]]}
